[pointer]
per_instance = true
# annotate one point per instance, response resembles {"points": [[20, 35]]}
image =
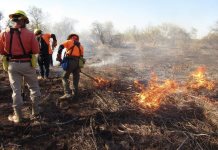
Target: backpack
{"points": [[43, 46]]}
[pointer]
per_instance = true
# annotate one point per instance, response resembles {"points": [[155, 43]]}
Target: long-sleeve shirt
{"points": [[28, 39], [46, 37]]}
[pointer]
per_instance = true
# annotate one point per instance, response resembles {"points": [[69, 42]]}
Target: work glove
{"points": [[77, 43], [59, 58], [54, 44]]}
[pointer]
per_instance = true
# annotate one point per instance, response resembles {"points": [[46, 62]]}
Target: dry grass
{"points": [[107, 118]]}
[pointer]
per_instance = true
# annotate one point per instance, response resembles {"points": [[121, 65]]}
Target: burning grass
{"points": [[150, 97], [106, 116], [101, 82], [199, 80]]}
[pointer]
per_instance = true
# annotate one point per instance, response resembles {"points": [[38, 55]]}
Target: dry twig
{"points": [[93, 135], [103, 100], [181, 145]]}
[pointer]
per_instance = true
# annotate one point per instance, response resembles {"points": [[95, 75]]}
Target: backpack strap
{"points": [[11, 40], [80, 51], [24, 51], [10, 48], [72, 48], [78, 45]]}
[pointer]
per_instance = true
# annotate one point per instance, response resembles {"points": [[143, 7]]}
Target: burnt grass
{"points": [[107, 117]]}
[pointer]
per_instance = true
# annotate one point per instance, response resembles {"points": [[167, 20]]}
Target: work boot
{"points": [[75, 96], [35, 109], [65, 96], [35, 117], [40, 77], [46, 78], [16, 117]]}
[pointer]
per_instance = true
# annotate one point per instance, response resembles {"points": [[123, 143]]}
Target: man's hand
{"points": [[59, 58], [77, 43]]}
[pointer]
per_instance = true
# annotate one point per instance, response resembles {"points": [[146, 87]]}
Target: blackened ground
{"points": [[106, 117]]}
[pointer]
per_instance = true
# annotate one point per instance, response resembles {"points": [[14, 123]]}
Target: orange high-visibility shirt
{"points": [[27, 37], [46, 37], [69, 44]]}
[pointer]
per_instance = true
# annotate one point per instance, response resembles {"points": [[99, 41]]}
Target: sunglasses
{"points": [[16, 18]]}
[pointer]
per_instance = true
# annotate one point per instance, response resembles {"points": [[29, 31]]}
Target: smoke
{"points": [[108, 61], [135, 61]]}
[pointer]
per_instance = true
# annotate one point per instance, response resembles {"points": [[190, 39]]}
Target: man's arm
{"points": [[61, 47], [54, 42], [35, 45], [2, 39]]}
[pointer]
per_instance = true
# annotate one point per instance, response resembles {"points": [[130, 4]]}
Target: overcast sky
{"points": [[200, 14]]}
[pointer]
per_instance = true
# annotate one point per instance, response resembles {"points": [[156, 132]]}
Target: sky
{"points": [[124, 14]]}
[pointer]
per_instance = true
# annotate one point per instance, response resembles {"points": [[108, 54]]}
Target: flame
{"points": [[100, 82], [152, 96], [199, 80]]}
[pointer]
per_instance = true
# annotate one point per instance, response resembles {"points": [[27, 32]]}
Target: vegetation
{"points": [[104, 33]]}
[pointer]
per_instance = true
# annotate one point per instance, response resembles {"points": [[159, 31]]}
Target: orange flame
{"points": [[199, 80], [152, 96], [100, 82]]}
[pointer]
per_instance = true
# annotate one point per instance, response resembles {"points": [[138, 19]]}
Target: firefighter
{"points": [[18, 44], [45, 54], [74, 50]]}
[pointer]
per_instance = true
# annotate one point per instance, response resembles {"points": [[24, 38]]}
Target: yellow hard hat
{"points": [[20, 12], [37, 31]]}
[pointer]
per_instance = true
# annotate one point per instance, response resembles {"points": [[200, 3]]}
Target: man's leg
{"points": [[32, 82], [46, 64], [51, 59], [15, 79], [65, 82], [65, 79], [41, 67], [76, 77]]}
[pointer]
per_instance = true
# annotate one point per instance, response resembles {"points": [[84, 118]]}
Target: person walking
{"points": [[18, 44], [45, 54], [74, 50]]}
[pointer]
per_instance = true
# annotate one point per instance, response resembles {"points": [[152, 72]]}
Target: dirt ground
{"points": [[106, 117]]}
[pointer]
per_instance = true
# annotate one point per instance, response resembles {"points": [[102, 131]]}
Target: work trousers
{"points": [[44, 61], [51, 59], [17, 71], [72, 68]]}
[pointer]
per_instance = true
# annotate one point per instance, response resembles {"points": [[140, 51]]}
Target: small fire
{"points": [[100, 82], [152, 96], [199, 80]]}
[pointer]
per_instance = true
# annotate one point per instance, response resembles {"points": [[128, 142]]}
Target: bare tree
{"points": [[106, 34], [152, 36], [37, 17], [210, 41], [175, 35], [165, 35], [1, 17], [109, 32], [193, 33], [98, 31], [215, 28], [63, 28], [133, 34]]}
